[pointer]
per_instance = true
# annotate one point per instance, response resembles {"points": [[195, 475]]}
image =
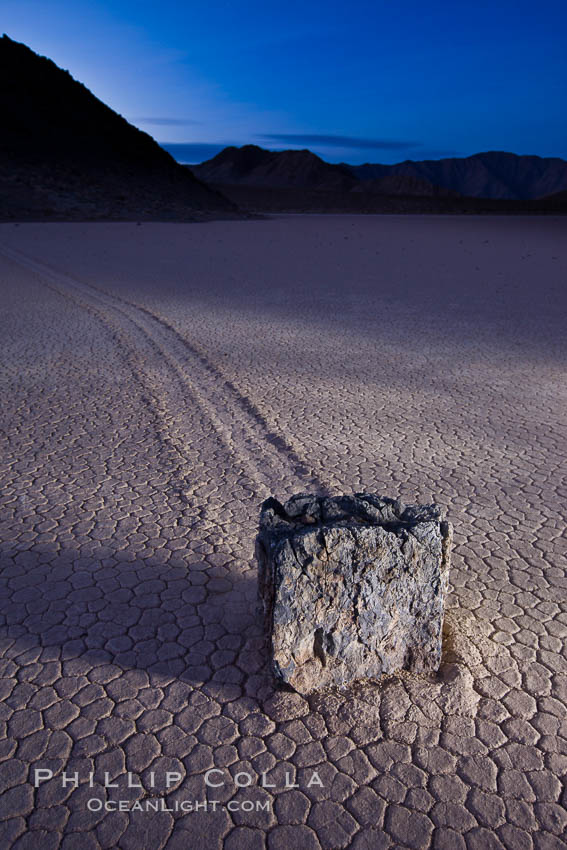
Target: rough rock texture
{"points": [[352, 587]]}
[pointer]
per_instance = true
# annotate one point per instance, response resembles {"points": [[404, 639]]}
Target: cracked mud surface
{"points": [[158, 383]]}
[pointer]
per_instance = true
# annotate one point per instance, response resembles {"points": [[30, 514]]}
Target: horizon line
{"points": [[210, 147]]}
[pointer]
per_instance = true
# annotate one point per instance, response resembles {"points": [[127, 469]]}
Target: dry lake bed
{"points": [[158, 382]]}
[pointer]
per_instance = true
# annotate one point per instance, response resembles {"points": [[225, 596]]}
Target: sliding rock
{"points": [[351, 587]]}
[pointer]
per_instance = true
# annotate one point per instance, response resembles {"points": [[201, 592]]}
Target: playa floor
{"points": [[158, 382]]}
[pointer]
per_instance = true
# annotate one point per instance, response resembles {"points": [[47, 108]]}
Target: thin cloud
{"points": [[339, 141], [166, 122]]}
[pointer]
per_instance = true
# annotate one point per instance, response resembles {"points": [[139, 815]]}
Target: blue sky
{"points": [[359, 82]]}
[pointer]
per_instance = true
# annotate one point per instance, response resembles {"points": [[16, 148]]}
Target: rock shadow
{"points": [[197, 623]]}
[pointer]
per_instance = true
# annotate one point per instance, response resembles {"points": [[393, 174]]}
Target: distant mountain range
{"points": [[251, 165], [65, 154], [494, 175]]}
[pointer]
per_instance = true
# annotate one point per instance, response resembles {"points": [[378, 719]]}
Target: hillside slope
{"points": [[65, 154]]}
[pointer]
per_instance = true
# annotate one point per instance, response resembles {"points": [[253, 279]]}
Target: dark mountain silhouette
{"points": [[253, 166], [261, 180], [494, 174], [65, 154]]}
